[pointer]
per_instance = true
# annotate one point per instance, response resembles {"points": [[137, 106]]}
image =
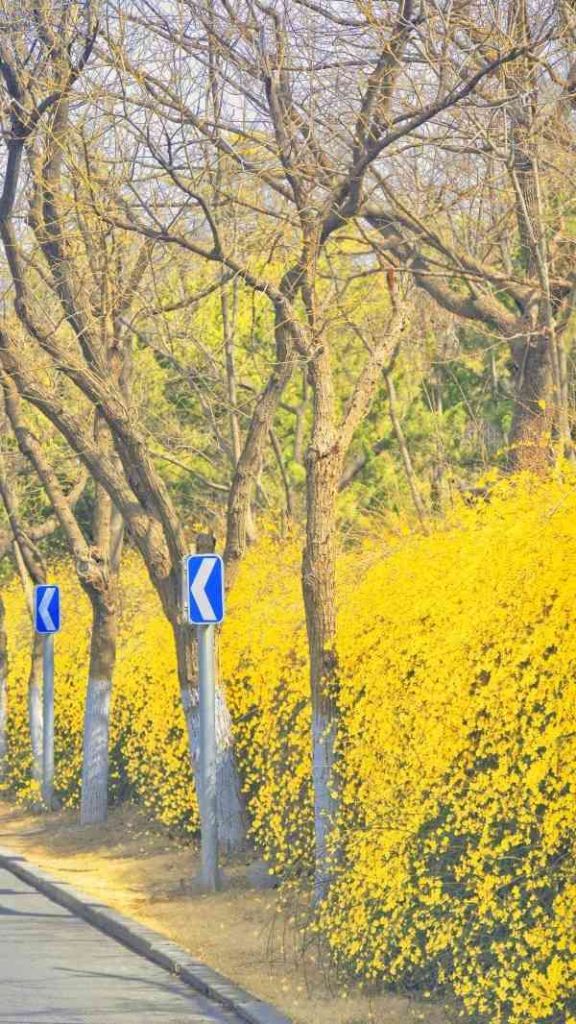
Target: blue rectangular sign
{"points": [[204, 589], [47, 609]]}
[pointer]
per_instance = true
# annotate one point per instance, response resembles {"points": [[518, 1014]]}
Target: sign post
{"points": [[47, 623], [48, 720], [207, 695], [205, 609]]}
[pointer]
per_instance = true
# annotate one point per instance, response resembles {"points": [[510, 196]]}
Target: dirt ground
{"points": [[140, 870]]}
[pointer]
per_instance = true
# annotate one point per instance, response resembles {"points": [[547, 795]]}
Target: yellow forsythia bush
{"points": [[458, 754], [457, 751]]}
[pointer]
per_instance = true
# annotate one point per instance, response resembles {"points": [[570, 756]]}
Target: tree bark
{"points": [[230, 806], [537, 375], [531, 447], [95, 763], [102, 588], [324, 469]]}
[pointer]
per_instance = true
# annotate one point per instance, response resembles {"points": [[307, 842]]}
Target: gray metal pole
{"points": [[48, 721], [209, 876]]}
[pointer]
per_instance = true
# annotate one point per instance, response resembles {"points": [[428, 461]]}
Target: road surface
{"points": [[57, 969]]}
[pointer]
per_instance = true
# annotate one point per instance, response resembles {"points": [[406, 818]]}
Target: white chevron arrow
{"points": [[44, 610], [198, 589]]}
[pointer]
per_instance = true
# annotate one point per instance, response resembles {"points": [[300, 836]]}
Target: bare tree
{"points": [[303, 130], [495, 252], [23, 540], [82, 348], [280, 149], [97, 563]]}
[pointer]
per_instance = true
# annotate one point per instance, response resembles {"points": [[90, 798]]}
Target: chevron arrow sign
{"points": [[205, 589], [47, 609]]}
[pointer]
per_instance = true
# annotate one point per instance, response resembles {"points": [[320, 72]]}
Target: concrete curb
{"points": [[146, 942]]}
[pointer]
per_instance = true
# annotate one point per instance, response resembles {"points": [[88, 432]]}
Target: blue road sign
{"points": [[205, 589], [47, 609]]}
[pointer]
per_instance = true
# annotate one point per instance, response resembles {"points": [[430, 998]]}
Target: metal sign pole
{"points": [[48, 719], [207, 694]]}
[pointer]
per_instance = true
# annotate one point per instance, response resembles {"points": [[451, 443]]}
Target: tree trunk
{"points": [[238, 515], [239, 506], [229, 317], [535, 357], [324, 469], [35, 715], [404, 450], [437, 485], [532, 423], [230, 807], [231, 816], [95, 762], [3, 696]]}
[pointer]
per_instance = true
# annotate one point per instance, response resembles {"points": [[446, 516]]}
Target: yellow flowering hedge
{"points": [[457, 750], [459, 761]]}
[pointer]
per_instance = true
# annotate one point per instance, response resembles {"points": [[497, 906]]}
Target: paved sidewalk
{"points": [[57, 969]]}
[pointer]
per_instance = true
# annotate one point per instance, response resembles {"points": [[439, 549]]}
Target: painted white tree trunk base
{"points": [[231, 817], [94, 803], [325, 803]]}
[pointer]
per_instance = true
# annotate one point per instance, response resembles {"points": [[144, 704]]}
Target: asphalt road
{"points": [[57, 969]]}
